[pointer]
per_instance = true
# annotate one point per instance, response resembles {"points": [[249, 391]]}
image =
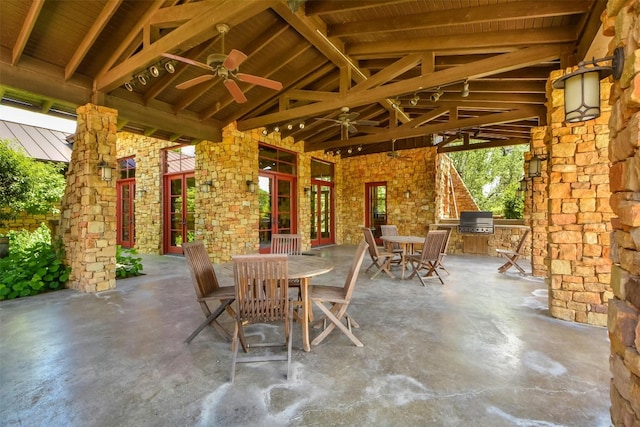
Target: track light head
{"points": [[142, 79], [301, 125], [154, 71], [350, 150], [265, 132], [465, 89], [170, 67], [289, 126], [414, 100], [436, 96], [128, 86], [276, 129]]}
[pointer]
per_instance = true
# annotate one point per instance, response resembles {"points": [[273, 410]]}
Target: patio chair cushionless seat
{"points": [[379, 258], [430, 256], [207, 288]]}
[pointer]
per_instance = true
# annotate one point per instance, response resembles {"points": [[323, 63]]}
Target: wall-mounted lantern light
{"points": [[251, 186], [535, 166], [106, 171], [582, 87], [206, 186], [140, 192], [522, 188], [407, 194], [307, 191]]}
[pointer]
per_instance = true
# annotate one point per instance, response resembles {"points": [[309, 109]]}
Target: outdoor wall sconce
{"points": [[307, 191], [251, 186], [206, 186], [140, 192], [582, 87], [407, 194], [523, 187], [535, 166], [106, 171]]}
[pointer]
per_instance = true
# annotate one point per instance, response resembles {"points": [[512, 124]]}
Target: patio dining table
{"points": [[406, 245], [302, 267]]}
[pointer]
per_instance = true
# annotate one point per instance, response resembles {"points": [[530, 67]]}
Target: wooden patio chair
{"points": [[392, 230], [513, 256], [429, 258], [379, 258], [443, 252], [339, 298], [262, 284], [208, 290]]}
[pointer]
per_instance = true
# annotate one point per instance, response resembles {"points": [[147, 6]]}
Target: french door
{"points": [[125, 213], [179, 212], [375, 207], [277, 206], [321, 199]]}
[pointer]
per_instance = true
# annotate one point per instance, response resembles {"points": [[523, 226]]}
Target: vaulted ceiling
{"points": [[386, 61]]}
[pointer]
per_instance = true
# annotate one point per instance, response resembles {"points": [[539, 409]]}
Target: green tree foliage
{"points": [[27, 185], [492, 176]]}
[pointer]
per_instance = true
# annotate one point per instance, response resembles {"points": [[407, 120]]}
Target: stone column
{"points": [[623, 19], [536, 201], [579, 212], [88, 209]]}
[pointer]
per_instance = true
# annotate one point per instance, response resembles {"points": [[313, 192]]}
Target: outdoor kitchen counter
{"points": [[506, 235]]}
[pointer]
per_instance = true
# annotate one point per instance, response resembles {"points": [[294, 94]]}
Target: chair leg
{"points": [[213, 316], [289, 342], [235, 357], [335, 322]]}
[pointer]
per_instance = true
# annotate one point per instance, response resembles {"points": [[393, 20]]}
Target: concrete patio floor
{"points": [[478, 351]]}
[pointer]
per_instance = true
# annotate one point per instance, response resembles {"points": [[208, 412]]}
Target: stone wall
{"points": [[415, 171], [453, 193], [88, 217], [622, 19], [147, 153], [536, 201], [579, 212]]}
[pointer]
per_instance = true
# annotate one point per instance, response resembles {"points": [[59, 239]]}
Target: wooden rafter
{"points": [[25, 30]]}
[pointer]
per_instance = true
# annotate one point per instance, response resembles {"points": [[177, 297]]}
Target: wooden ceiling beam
{"points": [[185, 36], [89, 39], [25, 30], [497, 64], [461, 16], [334, 6], [394, 70], [407, 132], [480, 145], [494, 39]]}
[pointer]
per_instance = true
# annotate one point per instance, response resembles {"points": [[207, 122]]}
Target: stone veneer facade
{"points": [[88, 207], [622, 19], [575, 179]]}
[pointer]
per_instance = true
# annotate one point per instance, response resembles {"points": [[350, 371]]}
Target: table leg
{"points": [[403, 258], [306, 310]]}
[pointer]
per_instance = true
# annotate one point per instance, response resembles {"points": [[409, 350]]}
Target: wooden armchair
{"points": [[262, 295], [208, 290]]}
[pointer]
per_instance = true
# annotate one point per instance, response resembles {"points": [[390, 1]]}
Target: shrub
{"points": [[127, 264], [33, 266]]}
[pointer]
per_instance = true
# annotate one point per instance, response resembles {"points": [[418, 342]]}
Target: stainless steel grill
{"points": [[476, 222]]}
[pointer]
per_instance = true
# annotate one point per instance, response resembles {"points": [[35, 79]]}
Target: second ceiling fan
{"points": [[347, 122], [226, 67]]}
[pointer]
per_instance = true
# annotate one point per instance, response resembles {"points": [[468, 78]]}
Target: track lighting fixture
{"points": [[414, 100], [289, 126], [465, 89], [301, 125], [154, 71], [349, 150], [142, 79], [359, 147], [276, 129], [265, 132], [128, 86], [436, 96], [170, 67]]}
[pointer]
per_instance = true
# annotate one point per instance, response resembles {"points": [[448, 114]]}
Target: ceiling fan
{"points": [[347, 122], [395, 154], [226, 67]]}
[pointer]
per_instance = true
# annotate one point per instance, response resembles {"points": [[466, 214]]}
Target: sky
{"points": [[36, 119]]}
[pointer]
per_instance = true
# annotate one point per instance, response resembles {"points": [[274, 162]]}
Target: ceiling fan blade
{"points": [[188, 61], [328, 120], [235, 91], [352, 129], [352, 116], [368, 122], [260, 81], [194, 81], [234, 59]]}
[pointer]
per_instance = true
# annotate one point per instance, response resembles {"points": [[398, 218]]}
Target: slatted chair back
{"points": [[391, 230], [371, 241], [433, 245], [202, 273], [380, 259], [286, 244], [262, 283]]}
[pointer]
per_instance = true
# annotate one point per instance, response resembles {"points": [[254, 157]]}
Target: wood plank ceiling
{"points": [[386, 61]]}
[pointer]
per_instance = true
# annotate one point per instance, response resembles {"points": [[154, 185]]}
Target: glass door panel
{"points": [[321, 199], [277, 202], [376, 207], [125, 213], [180, 211]]}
